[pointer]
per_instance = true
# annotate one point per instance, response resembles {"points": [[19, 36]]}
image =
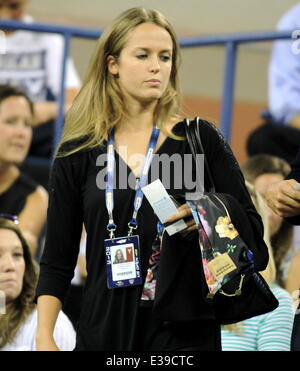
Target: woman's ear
{"points": [[112, 65]]}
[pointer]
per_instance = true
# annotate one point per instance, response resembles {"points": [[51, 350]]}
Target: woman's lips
{"points": [[154, 82]]}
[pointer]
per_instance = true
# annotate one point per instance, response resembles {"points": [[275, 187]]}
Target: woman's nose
{"points": [[21, 129], [155, 65], [7, 263]]}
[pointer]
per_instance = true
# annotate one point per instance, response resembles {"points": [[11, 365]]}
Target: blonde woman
{"points": [[128, 107], [271, 331]]}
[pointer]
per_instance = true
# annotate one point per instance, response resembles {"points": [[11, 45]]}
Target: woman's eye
{"points": [[11, 121], [165, 58], [142, 56]]}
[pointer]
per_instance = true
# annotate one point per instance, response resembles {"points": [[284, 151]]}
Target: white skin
{"points": [[16, 134], [16, 130], [143, 68], [262, 183], [44, 111], [12, 264], [283, 198]]}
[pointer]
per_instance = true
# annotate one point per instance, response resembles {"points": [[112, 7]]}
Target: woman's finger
{"points": [[183, 211]]}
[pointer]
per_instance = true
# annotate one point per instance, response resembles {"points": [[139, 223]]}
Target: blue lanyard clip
{"points": [[111, 229], [132, 226]]}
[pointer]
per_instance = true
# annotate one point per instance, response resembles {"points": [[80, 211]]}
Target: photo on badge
{"points": [[122, 262]]}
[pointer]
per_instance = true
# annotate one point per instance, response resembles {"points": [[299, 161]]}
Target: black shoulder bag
{"points": [[235, 290]]}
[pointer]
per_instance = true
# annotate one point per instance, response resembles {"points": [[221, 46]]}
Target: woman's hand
{"points": [[184, 212], [284, 198]]}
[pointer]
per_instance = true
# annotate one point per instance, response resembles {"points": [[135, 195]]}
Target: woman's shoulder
{"points": [[75, 152], [24, 339], [38, 198], [206, 125], [211, 137], [73, 145]]}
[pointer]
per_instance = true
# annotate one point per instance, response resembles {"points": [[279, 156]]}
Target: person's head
{"points": [[261, 171], [16, 115], [17, 273], [12, 10], [17, 279], [139, 46], [119, 255]]}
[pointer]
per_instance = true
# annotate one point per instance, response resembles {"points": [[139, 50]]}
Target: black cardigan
{"points": [[109, 317]]}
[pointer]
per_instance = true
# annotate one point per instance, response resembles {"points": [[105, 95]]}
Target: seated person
{"points": [[280, 136], [18, 276], [19, 195], [284, 73], [270, 331], [261, 171]]}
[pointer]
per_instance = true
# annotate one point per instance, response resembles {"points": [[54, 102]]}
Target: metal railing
{"points": [[230, 42]]}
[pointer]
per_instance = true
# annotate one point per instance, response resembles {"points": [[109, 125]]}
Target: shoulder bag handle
{"points": [[192, 130]]}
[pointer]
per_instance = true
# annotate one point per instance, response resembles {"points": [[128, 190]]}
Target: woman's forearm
{"points": [[48, 309]]}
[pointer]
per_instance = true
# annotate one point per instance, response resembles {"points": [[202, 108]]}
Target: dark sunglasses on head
{"points": [[13, 218]]}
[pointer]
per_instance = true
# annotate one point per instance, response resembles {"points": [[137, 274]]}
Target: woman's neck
{"points": [[138, 118]]}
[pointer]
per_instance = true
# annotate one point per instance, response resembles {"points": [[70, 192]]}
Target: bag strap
{"points": [[192, 131]]}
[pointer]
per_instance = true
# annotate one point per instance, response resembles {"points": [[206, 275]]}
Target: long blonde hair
{"points": [[99, 105]]}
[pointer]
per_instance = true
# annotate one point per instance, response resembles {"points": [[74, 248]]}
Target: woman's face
{"points": [[145, 63], [261, 183], [15, 129], [12, 264]]}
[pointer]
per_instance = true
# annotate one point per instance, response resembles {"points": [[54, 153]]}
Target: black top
{"points": [[12, 201], [108, 317]]}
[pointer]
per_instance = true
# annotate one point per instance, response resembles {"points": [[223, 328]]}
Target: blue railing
{"points": [[230, 41]]}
